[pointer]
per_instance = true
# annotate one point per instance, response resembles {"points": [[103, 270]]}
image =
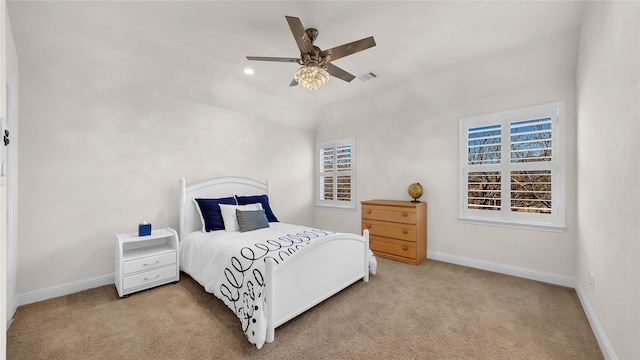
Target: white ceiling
{"points": [[196, 50]]}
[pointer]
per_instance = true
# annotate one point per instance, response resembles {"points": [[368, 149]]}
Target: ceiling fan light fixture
{"points": [[311, 77]]}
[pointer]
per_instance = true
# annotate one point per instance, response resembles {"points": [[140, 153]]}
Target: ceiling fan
{"points": [[317, 64]]}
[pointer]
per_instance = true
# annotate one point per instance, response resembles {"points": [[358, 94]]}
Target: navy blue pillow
{"points": [[210, 212], [262, 199]]}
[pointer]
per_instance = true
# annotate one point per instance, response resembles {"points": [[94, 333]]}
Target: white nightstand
{"points": [[143, 262]]}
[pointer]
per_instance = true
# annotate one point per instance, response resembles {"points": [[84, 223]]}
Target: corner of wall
{"points": [[601, 336]]}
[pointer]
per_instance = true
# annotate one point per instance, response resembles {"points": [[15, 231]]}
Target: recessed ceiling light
{"points": [[248, 71]]}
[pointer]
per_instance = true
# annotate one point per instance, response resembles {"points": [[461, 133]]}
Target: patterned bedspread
{"points": [[231, 266]]}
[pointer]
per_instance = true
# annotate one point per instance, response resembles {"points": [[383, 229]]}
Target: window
{"points": [[511, 168], [335, 173]]}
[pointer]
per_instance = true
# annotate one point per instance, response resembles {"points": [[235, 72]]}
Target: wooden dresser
{"points": [[397, 229]]}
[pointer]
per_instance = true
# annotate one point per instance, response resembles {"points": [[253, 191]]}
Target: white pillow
{"points": [[229, 216]]}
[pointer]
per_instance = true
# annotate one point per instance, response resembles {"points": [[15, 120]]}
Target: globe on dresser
{"points": [[415, 191]]}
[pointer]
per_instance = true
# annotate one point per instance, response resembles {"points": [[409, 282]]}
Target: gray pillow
{"points": [[251, 220]]}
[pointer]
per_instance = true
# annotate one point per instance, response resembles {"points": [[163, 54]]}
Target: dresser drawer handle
{"points": [[404, 214], [155, 277], [157, 262], [368, 211], [405, 231], [405, 248], [368, 226]]}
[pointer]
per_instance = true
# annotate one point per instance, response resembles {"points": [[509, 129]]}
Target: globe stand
{"points": [[415, 200]]}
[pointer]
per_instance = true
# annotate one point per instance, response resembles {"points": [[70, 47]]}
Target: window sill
{"points": [[516, 225], [336, 207]]}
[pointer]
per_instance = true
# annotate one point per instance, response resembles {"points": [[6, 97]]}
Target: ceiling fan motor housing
{"points": [[312, 34]]}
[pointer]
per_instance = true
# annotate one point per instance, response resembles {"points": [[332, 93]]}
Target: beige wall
{"points": [[410, 133], [99, 154], [608, 92]]}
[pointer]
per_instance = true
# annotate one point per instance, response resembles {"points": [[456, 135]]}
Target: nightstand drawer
{"points": [[388, 213], [148, 263], [398, 248], [390, 230], [149, 277]]}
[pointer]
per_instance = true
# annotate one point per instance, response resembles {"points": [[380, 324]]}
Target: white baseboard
{"points": [[12, 306], [557, 279], [51, 292], [601, 337]]}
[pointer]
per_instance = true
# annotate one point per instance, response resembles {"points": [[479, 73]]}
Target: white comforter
{"points": [[231, 266]]}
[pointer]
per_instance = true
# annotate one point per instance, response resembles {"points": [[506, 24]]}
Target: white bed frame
{"points": [[317, 272]]}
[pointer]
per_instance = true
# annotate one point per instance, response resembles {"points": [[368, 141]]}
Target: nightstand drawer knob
{"points": [[404, 214], [405, 231], [405, 248], [155, 277], [368, 211], [153, 263]]}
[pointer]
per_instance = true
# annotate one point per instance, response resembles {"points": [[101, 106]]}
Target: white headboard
{"points": [[212, 188]]}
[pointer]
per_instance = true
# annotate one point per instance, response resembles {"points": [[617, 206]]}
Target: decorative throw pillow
{"points": [[229, 214], [209, 210], [251, 220], [262, 199]]}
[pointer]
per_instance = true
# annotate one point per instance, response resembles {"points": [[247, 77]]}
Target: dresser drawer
{"points": [[397, 229], [390, 230], [165, 274], [149, 262], [397, 248], [389, 213]]}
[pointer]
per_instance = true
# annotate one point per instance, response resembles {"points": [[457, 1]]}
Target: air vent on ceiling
{"points": [[367, 76]]}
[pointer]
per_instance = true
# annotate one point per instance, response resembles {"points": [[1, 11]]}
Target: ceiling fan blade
{"points": [[348, 49], [293, 82], [339, 73], [299, 34], [265, 58]]}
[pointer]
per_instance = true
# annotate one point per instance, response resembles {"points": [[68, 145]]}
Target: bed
{"points": [[277, 272]]}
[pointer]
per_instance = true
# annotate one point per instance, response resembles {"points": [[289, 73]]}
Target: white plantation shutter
{"points": [[335, 173], [531, 191], [484, 145], [484, 155], [484, 190], [327, 157], [343, 172], [531, 140], [511, 169]]}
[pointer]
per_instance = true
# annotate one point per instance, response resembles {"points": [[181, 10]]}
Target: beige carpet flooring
{"points": [[431, 311]]}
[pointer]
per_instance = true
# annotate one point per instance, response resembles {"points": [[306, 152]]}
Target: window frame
{"points": [[335, 203], [556, 221]]}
